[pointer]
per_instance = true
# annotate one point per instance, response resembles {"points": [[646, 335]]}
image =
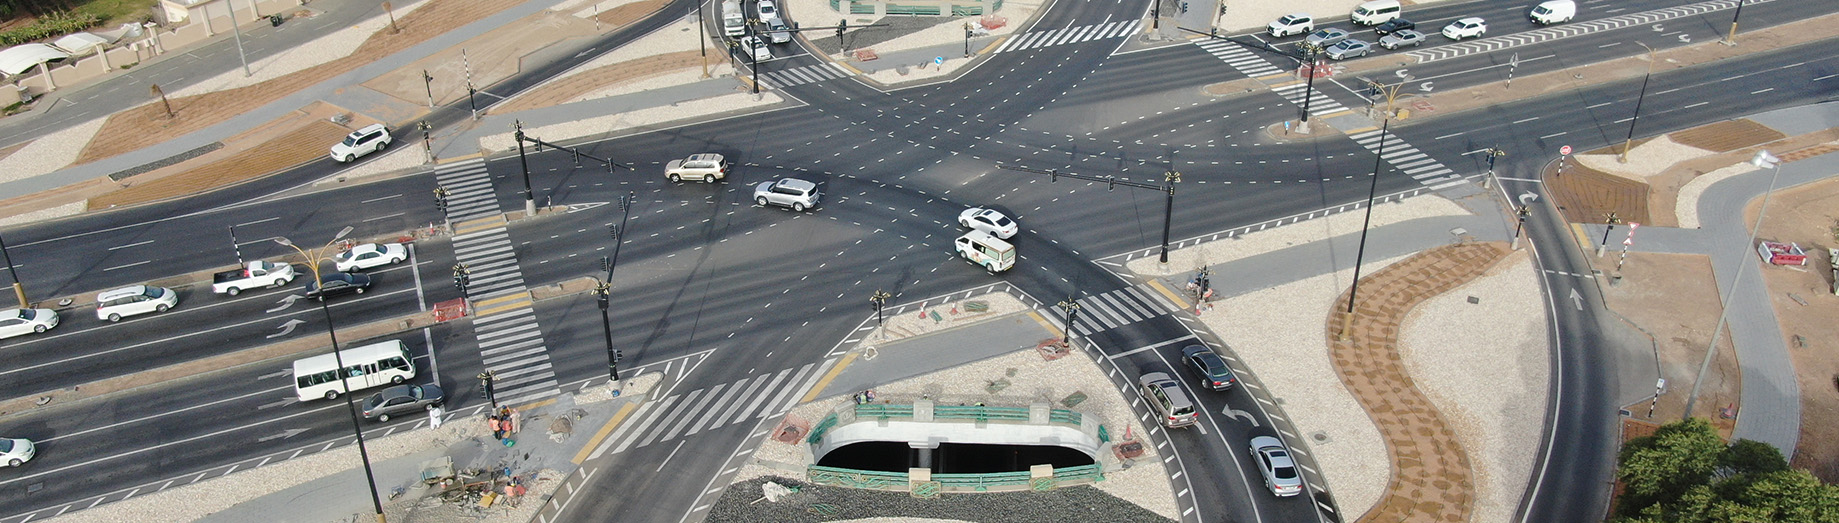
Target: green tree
{"points": [[1748, 456], [1786, 496], [1657, 470]]}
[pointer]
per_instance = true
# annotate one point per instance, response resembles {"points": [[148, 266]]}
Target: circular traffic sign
{"points": [[1566, 150]]}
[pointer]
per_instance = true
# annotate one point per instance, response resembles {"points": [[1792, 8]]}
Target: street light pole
{"points": [[1309, 53], [313, 260], [1360, 254], [1763, 160], [1520, 224], [529, 195], [880, 301], [702, 39], [967, 39], [427, 82], [18, 290], [1626, 143], [1731, 39], [1610, 220], [1071, 306], [1168, 208], [1492, 152], [238, 31], [602, 292]]}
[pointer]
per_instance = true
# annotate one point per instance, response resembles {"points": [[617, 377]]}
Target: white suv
{"points": [[707, 167], [370, 139], [138, 299], [789, 192]]}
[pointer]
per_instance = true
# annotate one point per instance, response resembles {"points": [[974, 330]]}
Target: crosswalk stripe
{"points": [[757, 382], [508, 347], [1097, 313], [762, 396], [653, 418], [690, 415], [1136, 302], [493, 361], [715, 409], [672, 417], [520, 314], [1118, 309], [799, 391], [791, 385], [525, 370]]}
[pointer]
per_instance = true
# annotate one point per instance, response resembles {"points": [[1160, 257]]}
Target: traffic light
{"points": [[440, 199], [485, 387], [841, 25], [461, 277]]}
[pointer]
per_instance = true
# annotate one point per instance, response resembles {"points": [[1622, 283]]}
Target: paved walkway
{"points": [[1431, 477]]}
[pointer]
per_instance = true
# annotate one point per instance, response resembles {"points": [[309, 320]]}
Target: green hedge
{"points": [[49, 26]]}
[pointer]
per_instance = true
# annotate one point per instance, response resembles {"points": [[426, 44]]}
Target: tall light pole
{"points": [[19, 290], [1731, 39], [237, 29], [602, 292], [427, 83], [1492, 152], [1360, 254], [1312, 54], [529, 195], [1762, 160], [1520, 223], [1168, 207], [604, 289], [702, 39], [313, 260], [1637, 118]]}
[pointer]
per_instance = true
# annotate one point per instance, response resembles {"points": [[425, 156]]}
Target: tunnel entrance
{"points": [[951, 458]]}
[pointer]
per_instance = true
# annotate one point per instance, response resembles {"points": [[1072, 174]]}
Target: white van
{"points": [[733, 22], [984, 250], [366, 366], [1553, 11], [1376, 12]]}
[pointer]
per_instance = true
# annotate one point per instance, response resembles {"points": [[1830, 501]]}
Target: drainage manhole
{"points": [[1319, 437]]}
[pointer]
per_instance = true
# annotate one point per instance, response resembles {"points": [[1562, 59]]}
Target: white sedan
{"points": [[990, 221], [370, 255], [19, 322], [15, 452]]}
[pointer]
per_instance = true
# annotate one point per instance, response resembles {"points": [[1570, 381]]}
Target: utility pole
{"points": [[702, 38], [1168, 208], [601, 291], [529, 195], [1731, 39], [1310, 53], [237, 28], [1360, 254], [427, 82], [1071, 306], [879, 300], [1630, 141]]}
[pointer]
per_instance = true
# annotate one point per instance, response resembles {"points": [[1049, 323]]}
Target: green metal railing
{"points": [[930, 10], [823, 427], [861, 8], [853, 478], [977, 413], [883, 411], [878, 480], [982, 482], [1088, 472], [966, 10], [962, 412]]}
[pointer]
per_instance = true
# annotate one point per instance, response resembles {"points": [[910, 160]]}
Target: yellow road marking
{"points": [[594, 442], [1047, 324], [528, 406], [501, 308], [834, 371], [994, 45], [498, 300], [1166, 293]]}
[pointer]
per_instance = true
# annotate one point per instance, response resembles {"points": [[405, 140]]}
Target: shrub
{"points": [[48, 26]]}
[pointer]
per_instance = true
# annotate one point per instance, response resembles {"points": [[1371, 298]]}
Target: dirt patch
{"points": [[569, 89], [1727, 136], [1808, 215], [148, 124], [1672, 299], [304, 144], [1586, 195], [629, 13], [488, 58]]}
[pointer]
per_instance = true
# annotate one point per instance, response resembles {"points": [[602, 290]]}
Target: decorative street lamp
{"points": [[1762, 160]]}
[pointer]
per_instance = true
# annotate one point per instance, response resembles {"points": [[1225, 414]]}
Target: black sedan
{"points": [[1210, 368], [1395, 25], [338, 283], [403, 399]]}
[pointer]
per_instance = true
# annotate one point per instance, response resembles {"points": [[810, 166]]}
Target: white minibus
{"points": [[365, 367]]}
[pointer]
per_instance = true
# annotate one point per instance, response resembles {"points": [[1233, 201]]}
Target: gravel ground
{"points": [[643, 117], [1498, 414], [1647, 159], [1225, 251], [50, 152], [60, 211], [1686, 204], [824, 503], [1035, 379], [319, 51]]}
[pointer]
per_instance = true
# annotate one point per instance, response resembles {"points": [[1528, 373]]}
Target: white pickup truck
{"points": [[254, 275]]}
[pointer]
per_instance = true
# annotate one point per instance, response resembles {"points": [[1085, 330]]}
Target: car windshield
{"points": [[151, 292], [350, 140], [27, 314], [6, 445], [1287, 20]]}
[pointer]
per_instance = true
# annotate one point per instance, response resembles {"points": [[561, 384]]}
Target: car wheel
{"points": [[161, 308], [396, 259], [761, 200], [676, 178], [39, 328], [798, 207], [331, 394], [383, 417], [989, 269], [279, 282], [13, 462], [114, 318], [396, 380], [233, 291], [360, 290], [965, 223], [708, 178], [349, 157]]}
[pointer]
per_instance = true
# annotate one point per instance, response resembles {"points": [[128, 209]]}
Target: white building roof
{"points": [[21, 58]]}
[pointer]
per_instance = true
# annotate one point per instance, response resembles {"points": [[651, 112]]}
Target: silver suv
{"points": [[787, 192], [1168, 400], [707, 167]]}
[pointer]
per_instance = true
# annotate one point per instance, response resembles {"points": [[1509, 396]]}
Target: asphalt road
{"points": [[706, 275]]}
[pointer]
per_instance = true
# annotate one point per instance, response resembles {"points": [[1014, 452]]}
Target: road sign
{"points": [[939, 60], [1566, 150]]}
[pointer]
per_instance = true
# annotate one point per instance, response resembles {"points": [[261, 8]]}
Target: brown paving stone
{"points": [[1728, 135], [148, 124], [1431, 476], [629, 13], [1586, 195]]}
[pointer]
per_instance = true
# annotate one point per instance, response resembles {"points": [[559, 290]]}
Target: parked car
{"points": [[990, 221], [255, 274], [757, 48], [20, 322], [16, 451], [707, 167], [780, 33], [370, 139], [768, 10], [1401, 38], [1208, 367], [338, 283], [1396, 25], [116, 304], [1326, 37], [1172, 406], [787, 192], [370, 255], [402, 399], [1279, 470], [1291, 24], [1470, 27], [1349, 48]]}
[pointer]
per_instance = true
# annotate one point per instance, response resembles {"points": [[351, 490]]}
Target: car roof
{"points": [[1470, 20], [795, 183], [121, 292], [368, 129], [705, 157], [1262, 442]]}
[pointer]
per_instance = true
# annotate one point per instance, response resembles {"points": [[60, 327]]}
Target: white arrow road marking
{"points": [[1236, 413], [1526, 198], [1577, 299], [275, 374], [286, 301], [286, 328], [283, 435], [282, 403]]}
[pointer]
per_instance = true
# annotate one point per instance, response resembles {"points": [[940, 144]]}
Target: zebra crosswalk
{"points": [[803, 75], [510, 339], [709, 408], [1068, 35], [1404, 157], [1237, 56], [1101, 312]]}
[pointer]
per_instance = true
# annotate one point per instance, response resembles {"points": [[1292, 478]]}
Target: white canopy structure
{"points": [[21, 58]]}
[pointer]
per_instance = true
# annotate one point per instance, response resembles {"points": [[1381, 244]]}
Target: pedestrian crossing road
{"points": [[1404, 157], [510, 340], [1121, 307], [803, 75], [709, 408], [1068, 35]]}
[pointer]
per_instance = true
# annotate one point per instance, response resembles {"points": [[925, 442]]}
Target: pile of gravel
{"points": [[826, 503]]}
